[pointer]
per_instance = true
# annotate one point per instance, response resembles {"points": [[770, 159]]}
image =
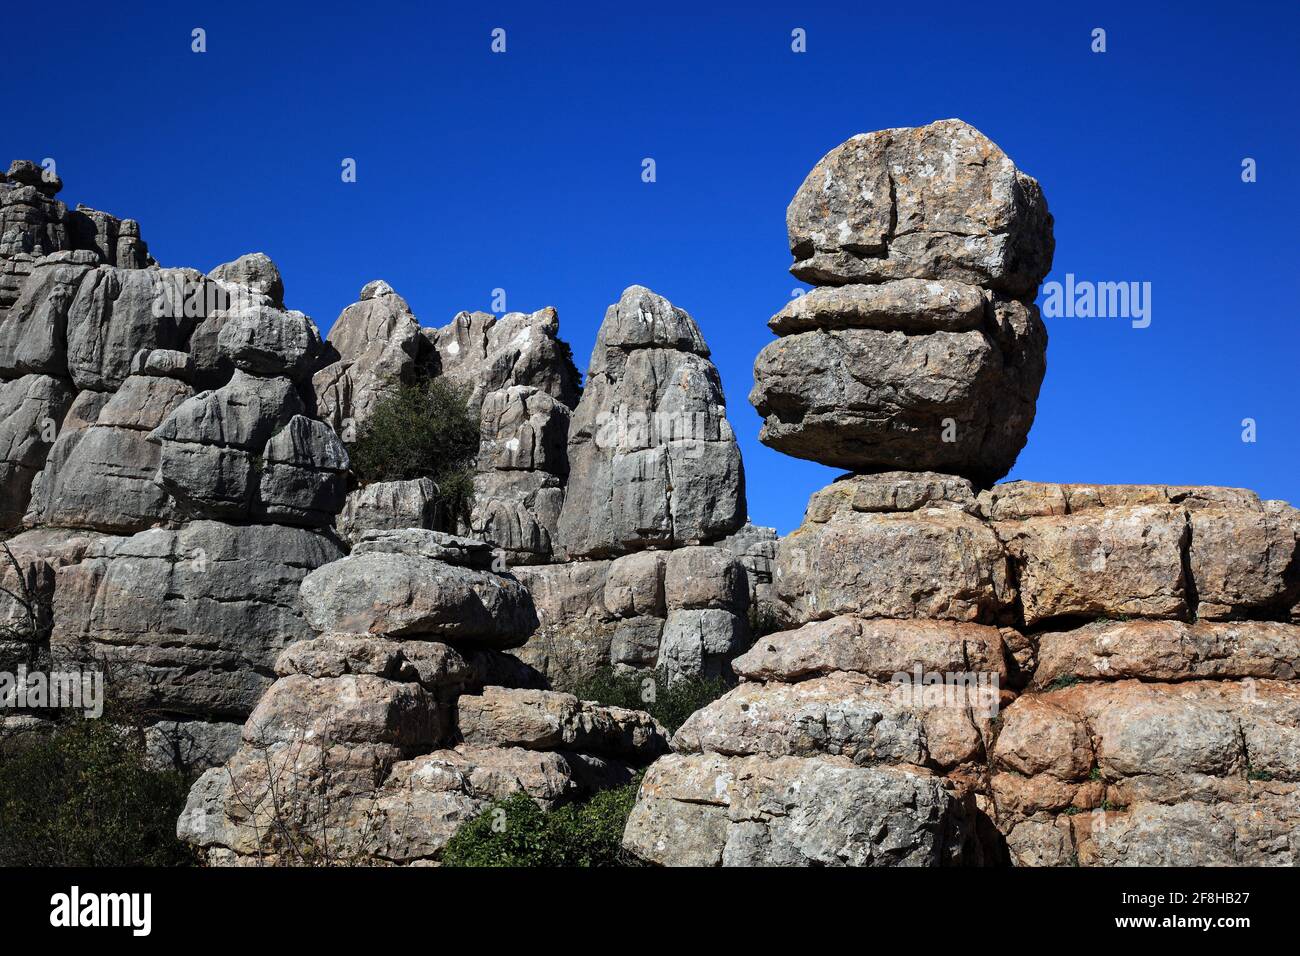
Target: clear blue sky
{"points": [[522, 171]]}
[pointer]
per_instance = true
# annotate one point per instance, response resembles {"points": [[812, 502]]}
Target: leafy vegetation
{"points": [[423, 430], [668, 703], [516, 832], [84, 796]]}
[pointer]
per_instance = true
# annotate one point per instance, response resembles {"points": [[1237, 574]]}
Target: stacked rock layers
{"points": [[921, 349], [401, 718]]}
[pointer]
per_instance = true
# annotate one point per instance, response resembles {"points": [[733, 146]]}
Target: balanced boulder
{"points": [[922, 349]]}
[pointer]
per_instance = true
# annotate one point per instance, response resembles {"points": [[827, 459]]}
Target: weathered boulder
{"points": [[575, 630], [705, 577], [304, 473], [930, 563], [652, 458], [1148, 773], [700, 643], [378, 345], [924, 351], [938, 202], [352, 709], [878, 399], [713, 810], [892, 491], [545, 720], [637, 643], [191, 620], [100, 473], [1166, 551], [209, 443], [433, 545], [635, 585], [1169, 651], [263, 340], [1244, 558], [902, 305], [439, 668], [839, 714], [389, 505], [878, 648], [31, 408], [253, 271], [1112, 561], [404, 593]]}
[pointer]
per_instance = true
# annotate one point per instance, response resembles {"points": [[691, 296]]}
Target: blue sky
{"points": [[523, 171]]}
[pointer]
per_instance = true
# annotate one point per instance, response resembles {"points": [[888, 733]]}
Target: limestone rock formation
{"points": [[253, 271], [384, 733], [32, 221], [398, 583], [519, 381], [390, 505], [522, 468], [248, 449], [1140, 669], [375, 344], [485, 353], [652, 459], [711, 810], [187, 621], [1114, 772], [931, 202], [31, 408], [100, 472], [922, 348], [947, 670], [117, 467]]}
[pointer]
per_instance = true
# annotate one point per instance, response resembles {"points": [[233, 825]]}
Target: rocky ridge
{"points": [[398, 719], [175, 473], [966, 673], [948, 671]]}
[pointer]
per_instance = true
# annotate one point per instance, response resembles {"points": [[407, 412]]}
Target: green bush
{"points": [[421, 431], [516, 832], [83, 796], [672, 703]]}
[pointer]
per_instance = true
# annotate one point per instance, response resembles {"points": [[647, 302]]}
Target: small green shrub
{"points": [[516, 832], [421, 431], [83, 796], [1062, 682], [672, 703]]}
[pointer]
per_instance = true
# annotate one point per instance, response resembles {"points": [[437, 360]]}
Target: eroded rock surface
{"points": [[382, 736], [652, 459], [922, 348]]}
